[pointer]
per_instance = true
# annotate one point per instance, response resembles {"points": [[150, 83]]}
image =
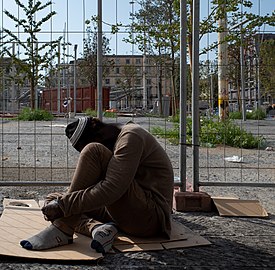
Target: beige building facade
{"points": [[137, 81]]}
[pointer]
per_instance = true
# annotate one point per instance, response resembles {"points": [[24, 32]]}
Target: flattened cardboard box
{"points": [[239, 208], [23, 218]]}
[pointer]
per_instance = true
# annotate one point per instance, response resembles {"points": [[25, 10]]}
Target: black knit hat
{"points": [[74, 130], [83, 131]]}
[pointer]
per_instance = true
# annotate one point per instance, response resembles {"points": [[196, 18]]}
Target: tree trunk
{"points": [[32, 95]]}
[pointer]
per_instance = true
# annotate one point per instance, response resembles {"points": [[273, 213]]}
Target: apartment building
{"points": [[14, 88], [135, 81], [255, 94]]}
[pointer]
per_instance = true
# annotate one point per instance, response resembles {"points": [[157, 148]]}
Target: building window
{"points": [[107, 81], [127, 61], [138, 62], [117, 70]]}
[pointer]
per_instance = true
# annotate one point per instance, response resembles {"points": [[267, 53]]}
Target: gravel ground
{"points": [[237, 243]]}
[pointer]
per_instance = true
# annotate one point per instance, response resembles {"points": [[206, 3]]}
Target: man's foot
{"points": [[48, 238], [103, 237]]}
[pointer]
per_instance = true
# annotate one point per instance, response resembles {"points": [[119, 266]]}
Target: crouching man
{"points": [[123, 182]]}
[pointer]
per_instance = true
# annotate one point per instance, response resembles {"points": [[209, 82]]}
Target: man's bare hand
{"points": [[52, 211]]}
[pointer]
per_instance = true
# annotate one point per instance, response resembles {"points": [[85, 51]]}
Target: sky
{"points": [[71, 15]]}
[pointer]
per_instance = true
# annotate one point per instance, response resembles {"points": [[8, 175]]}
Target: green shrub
{"points": [[228, 133], [110, 114], [171, 134], [213, 133], [27, 114], [235, 115], [257, 114], [90, 112]]}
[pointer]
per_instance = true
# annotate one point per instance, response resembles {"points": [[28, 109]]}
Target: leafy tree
{"points": [[267, 67], [37, 56], [208, 78], [88, 64], [234, 71], [156, 27], [3, 68]]}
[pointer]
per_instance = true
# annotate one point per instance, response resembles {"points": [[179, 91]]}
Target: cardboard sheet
{"points": [[240, 208], [181, 237], [23, 218]]}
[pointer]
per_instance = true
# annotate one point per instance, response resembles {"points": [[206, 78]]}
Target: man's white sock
{"points": [[48, 238], [103, 237]]}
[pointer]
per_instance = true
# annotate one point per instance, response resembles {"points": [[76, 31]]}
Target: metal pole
{"points": [[195, 94], [13, 92], [258, 82], [75, 56], [212, 93], [58, 81], [144, 71], [183, 94], [242, 68], [99, 60], [144, 83], [242, 75], [35, 86]]}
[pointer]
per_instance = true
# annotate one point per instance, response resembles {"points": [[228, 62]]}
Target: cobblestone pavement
{"points": [[237, 243]]}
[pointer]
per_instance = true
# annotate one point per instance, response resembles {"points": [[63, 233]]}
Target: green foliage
{"points": [[235, 115], [93, 113], [27, 114], [110, 114], [228, 133], [267, 71], [90, 112], [171, 134], [212, 133], [38, 55], [257, 114], [88, 64], [176, 118]]}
